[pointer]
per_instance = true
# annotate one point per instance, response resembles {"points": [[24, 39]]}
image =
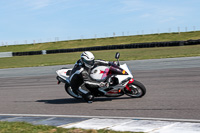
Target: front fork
{"points": [[127, 85]]}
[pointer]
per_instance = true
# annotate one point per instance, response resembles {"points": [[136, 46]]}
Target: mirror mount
{"points": [[117, 55]]}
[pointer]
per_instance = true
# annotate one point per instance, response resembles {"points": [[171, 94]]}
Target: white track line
{"points": [[106, 117]]}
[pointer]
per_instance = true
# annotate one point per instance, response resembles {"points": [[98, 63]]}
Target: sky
{"points": [[28, 21]]}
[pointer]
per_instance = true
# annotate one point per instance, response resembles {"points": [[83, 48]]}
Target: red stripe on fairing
{"points": [[105, 73], [101, 72]]}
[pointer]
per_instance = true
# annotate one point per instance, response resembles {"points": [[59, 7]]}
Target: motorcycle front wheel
{"points": [[137, 89], [69, 90]]}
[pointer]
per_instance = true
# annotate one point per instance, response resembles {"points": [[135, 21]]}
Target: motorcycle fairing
{"points": [[63, 74], [100, 73], [123, 77], [116, 70]]}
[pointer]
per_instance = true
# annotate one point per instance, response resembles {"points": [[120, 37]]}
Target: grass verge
{"points": [[126, 54], [23, 127], [183, 36]]}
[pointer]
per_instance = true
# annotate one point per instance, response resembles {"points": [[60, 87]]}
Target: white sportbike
{"points": [[118, 76]]}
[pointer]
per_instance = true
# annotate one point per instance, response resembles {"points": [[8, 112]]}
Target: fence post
{"points": [[178, 30], [158, 32], [169, 30], [113, 34], [95, 36], [194, 28]]}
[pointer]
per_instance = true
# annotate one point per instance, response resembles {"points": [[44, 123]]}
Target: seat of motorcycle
{"points": [[68, 72]]}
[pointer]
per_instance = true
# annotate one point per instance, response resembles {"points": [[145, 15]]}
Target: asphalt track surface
{"points": [[173, 89]]}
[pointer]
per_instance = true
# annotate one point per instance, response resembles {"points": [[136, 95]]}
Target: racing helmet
{"points": [[87, 59]]}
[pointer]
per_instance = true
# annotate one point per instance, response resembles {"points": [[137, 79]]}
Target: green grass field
{"points": [[103, 41], [22, 127], [126, 54]]}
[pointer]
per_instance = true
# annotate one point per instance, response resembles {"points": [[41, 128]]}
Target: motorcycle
{"points": [[118, 76]]}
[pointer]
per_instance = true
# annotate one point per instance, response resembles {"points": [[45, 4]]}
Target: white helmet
{"points": [[87, 59]]}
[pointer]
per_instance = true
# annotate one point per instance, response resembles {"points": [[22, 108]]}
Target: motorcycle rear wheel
{"points": [[69, 90], [137, 90]]}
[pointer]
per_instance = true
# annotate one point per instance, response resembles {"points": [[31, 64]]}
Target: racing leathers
{"points": [[80, 76]]}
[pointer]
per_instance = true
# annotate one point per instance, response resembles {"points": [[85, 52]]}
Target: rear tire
{"points": [[137, 90], [69, 90]]}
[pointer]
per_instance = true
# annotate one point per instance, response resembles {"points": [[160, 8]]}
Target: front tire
{"points": [[137, 90], [69, 90]]}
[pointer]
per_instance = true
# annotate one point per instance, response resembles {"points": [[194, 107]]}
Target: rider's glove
{"points": [[110, 63], [104, 84]]}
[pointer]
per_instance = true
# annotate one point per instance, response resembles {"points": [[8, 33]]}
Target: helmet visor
{"points": [[90, 63]]}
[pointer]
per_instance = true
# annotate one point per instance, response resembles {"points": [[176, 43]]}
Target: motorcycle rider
{"points": [[80, 76]]}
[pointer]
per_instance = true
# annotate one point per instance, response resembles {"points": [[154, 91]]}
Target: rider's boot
{"points": [[88, 97], [86, 94]]}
